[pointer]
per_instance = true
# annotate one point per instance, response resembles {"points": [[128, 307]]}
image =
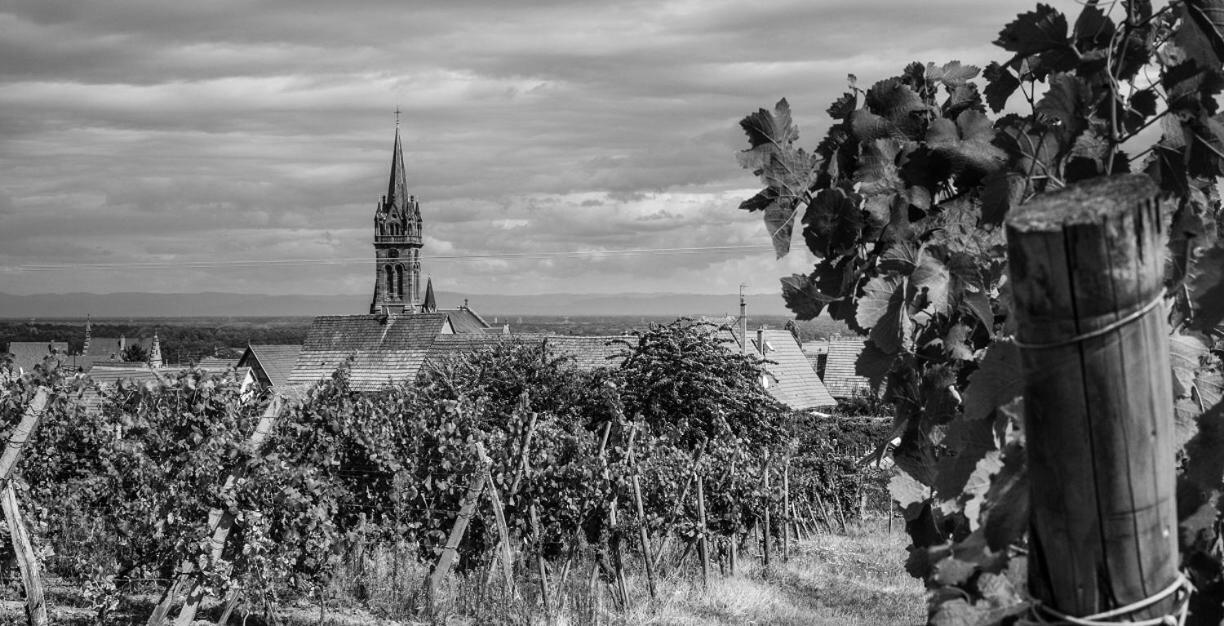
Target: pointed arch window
{"points": [[390, 291], [399, 281]]}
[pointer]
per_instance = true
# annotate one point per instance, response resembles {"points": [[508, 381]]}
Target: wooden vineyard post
{"points": [[643, 537], [614, 542], [786, 513], [503, 533], [540, 567], [220, 521], [767, 526], [671, 518], [451, 551], [703, 542], [27, 560], [1087, 276]]}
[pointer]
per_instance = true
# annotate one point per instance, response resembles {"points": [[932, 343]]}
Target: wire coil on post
{"points": [[1181, 585]]}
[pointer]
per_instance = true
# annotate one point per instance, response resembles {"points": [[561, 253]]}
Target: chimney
{"points": [[743, 321], [761, 340]]}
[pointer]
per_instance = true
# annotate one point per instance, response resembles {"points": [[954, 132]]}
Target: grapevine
{"points": [[902, 203]]}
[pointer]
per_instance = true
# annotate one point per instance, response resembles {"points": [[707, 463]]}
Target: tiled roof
{"points": [[839, 376], [798, 384], [27, 354], [212, 363], [465, 321], [383, 348], [275, 361], [588, 353], [107, 348]]}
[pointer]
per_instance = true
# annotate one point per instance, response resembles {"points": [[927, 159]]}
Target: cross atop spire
{"points": [[397, 112]]}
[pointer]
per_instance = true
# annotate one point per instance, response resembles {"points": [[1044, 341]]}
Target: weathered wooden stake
{"points": [[540, 568], [786, 518], [703, 544], [503, 535], [451, 551], [220, 521], [767, 525], [679, 504], [1087, 276], [27, 560], [643, 537]]}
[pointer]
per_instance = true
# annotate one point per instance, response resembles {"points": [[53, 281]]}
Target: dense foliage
{"points": [[902, 202], [120, 481]]}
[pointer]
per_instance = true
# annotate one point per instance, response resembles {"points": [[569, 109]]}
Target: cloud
{"points": [[192, 135]]}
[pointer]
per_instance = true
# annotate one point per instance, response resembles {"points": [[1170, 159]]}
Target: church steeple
{"points": [[431, 304], [397, 242], [397, 187]]}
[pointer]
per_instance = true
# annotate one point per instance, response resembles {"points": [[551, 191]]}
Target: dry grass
{"points": [[856, 578]]}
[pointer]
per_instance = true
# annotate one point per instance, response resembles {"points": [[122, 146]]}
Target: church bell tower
{"points": [[397, 243]]}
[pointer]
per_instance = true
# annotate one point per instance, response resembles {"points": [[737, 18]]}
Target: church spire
{"points": [[397, 187], [155, 357], [430, 305]]}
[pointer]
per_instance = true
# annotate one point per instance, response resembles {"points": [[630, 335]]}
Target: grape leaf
{"points": [[978, 484], [952, 74], [877, 171], [1001, 191], [1208, 15], [898, 103], [995, 382], [832, 223], [1067, 100], [970, 443], [1001, 83], [1006, 512], [1206, 285], [771, 130], [780, 222], [880, 310], [802, 296], [1034, 32], [843, 106], [929, 283], [908, 492], [953, 571], [967, 142]]}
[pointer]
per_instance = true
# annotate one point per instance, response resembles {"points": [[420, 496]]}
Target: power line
{"points": [[215, 263]]}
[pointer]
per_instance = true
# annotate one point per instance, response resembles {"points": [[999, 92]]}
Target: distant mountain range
{"points": [[123, 305]]}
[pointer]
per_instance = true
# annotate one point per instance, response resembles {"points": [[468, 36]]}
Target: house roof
{"points": [[383, 348], [276, 361], [466, 321], [107, 348], [839, 375], [588, 353], [27, 354], [798, 384], [216, 363]]}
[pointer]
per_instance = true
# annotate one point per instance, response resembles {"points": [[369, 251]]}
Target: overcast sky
{"points": [[180, 134]]}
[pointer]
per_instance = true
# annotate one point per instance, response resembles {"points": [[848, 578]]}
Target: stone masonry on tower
{"points": [[397, 244]]}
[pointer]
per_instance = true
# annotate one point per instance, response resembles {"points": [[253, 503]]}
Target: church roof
{"points": [[466, 321], [383, 348], [27, 354], [111, 348]]}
